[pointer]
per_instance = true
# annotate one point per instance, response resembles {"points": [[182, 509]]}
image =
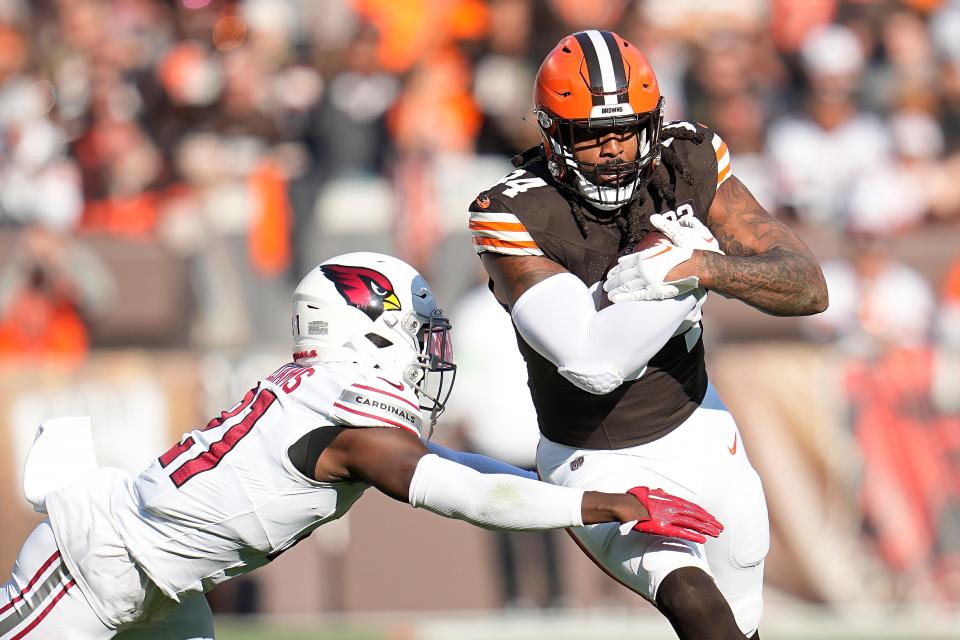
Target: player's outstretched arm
{"points": [[557, 315], [400, 466], [477, 462], [766, 264]]}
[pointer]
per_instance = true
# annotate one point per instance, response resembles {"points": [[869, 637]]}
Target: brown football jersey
{"points": [[526, 213]]}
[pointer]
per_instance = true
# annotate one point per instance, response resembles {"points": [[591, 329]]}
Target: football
{"points": [[651, 240], [651, 244]]}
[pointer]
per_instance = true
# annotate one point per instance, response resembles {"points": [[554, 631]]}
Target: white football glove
{"points": [[687, 232], [639, 276]]}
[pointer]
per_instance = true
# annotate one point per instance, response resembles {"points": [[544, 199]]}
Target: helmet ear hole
{"points": [[411, 325], [413, 375]]}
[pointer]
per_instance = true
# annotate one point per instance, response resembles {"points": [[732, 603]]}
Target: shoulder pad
{"points": [[683, 130], [494, 224], [373, 401], [519, 181], [687, 140], [524, 158]]}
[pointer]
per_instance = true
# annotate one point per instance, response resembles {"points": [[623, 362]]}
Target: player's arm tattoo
{"points": [[513, 275], [766, 264]]}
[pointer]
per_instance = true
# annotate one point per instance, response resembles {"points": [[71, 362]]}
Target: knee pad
{"points": [[749, 527], [748, 609], [749, 541]]}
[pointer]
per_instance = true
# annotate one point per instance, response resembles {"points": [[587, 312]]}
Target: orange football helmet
{"points": [[594, 82]]}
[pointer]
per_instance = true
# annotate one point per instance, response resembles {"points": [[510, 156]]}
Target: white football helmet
{"points": [[373, 308]]}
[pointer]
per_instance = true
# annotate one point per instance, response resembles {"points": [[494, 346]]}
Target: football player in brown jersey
{"points": [[621, 390]]}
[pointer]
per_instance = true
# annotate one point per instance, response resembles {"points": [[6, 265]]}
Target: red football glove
{"points": [[674, 517]]}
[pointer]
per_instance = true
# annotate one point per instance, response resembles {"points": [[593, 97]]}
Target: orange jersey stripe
{"points": [[496, 226], [516, 244], [723, 174], [721, 150]]}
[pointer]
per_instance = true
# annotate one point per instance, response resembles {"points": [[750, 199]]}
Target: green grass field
{"points": [[238, 631]]}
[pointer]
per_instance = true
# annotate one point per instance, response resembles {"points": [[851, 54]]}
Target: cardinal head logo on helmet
{"points": [[363, 288]]}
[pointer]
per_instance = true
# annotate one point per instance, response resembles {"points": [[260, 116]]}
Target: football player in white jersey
{"points": [[131, 556]]}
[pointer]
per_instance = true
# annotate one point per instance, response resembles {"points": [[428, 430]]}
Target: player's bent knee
{"points": [[693, 604], [689, 593], [663, 556], [191, 620]]}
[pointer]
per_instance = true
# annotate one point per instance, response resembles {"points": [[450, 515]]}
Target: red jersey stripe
{"points": [[370, 415], [46, 610], [33, 581]]}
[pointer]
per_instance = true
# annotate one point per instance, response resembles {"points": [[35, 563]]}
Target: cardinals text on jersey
{"points": [[227, 499]]}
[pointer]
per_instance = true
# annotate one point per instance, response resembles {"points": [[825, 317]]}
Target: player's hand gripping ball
{"points": [[687, 232], [641, 275]]}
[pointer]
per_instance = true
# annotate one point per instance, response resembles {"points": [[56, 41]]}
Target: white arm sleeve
{"points": [[477, 462], [493, 501], [595, 350]]}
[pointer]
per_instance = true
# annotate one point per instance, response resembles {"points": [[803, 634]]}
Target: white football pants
{"points": [[42, 602], [704, 461]]}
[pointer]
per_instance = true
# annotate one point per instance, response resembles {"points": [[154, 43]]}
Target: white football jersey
{"points": [[226, 499]]}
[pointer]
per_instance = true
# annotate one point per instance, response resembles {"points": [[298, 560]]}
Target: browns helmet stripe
{"points": [[604, 66], [619, 73], [593, 66]]}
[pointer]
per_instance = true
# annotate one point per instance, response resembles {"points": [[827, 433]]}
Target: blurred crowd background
{"points": [[170, 169]]}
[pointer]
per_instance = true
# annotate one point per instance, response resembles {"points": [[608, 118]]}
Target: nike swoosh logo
{"points": [[709, 240], [733, 449], [659, 253], [398, 387]]}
